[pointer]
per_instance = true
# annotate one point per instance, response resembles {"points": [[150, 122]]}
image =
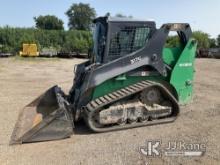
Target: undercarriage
{"points": [[140, 104]]}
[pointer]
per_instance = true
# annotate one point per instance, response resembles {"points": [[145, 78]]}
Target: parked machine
{"points": [[208, 53], [29, 50], [5, 53], [48, 52], [72, 55], [130, 80]]}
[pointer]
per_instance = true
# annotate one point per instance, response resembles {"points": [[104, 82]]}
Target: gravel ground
{"points": [[21, 80]]}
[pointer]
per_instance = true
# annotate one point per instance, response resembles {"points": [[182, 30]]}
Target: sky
{"points": [[201, 14]]}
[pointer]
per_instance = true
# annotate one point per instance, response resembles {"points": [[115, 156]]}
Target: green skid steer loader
{"points": [[131, 79]]}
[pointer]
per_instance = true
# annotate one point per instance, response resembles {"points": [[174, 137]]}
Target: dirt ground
{"points": [[21, 80]]}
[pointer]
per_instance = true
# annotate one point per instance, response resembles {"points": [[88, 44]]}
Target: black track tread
{"points": [[130, 89], [89, 107], [134, 88], [126, 91], [112, 96], [107, 98], [145, 82], [98, 101], [94, 104], [120, 94], [103, 99], [138, 86], [116, 94]]}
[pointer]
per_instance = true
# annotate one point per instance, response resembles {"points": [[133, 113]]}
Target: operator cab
{"points": [[116, 37]]}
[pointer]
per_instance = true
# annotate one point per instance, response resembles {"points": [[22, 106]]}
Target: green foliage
{"points": [[11, 39], [202, 39], [48, 22], [77, 41], [218, 40], [80, 16], [212, 43], [173, 41]]}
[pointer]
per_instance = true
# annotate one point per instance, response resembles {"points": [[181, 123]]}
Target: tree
{"points": [[80, 16], [202, 38], [48, 22], [212, 43], [173, 41], [218, 40]]}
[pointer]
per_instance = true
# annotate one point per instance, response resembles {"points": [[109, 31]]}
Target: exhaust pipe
{"points": [[46, 118]]}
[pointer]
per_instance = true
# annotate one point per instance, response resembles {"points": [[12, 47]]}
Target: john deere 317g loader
{"points": [[132, 79]]}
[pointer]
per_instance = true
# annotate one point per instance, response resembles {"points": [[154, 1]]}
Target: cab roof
{"points": [[121, 19]]}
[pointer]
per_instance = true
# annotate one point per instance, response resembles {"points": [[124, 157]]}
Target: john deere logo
{"points": [[187, 64]]}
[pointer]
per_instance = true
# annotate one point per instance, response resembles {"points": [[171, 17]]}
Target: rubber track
{"points": [[97, 104]]}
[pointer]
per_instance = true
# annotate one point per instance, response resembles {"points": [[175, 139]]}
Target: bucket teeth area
{"points": [[46, 118]]}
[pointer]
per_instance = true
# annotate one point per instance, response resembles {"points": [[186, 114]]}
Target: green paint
{"points": [[181, 62], [121, 77], [183, 72], [171, 55], [115, 84]]}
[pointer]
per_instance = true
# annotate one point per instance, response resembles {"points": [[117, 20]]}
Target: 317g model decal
{"points": [[135, 60]]}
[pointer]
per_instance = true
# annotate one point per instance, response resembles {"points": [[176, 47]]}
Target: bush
{"points": [[11, 39]]}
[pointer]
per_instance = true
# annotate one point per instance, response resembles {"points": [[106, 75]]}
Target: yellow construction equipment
{"points": [[29, 50]]}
